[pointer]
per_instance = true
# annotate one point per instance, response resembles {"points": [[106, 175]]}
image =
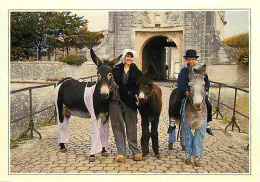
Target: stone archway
{"points": [[156, 51], [165, 46]]}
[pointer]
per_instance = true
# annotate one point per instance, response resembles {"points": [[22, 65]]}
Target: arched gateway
{"points": [[162, 37]]}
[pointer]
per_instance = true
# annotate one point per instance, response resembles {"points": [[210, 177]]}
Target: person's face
{"points": [[191, 61], [128, 59]]}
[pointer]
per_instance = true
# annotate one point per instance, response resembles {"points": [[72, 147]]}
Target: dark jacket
{"points": [[127, 91], [183, 80]]}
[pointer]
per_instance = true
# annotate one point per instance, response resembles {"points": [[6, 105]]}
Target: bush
{"points": [[241, 42], [73, 59]]}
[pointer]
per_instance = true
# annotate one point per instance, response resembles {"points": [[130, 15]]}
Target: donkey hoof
{"points": [[170, 146], [157, 156], [92, 158], [188, 161], [197, 163], [63, 150], [104, 154]]}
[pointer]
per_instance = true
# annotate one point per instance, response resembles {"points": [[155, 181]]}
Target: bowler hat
{"points": [[191, 53]]}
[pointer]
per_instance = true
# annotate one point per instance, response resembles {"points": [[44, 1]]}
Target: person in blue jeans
{"points": [[182, 92]]}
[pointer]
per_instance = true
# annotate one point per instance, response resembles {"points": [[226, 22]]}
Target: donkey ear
{"points": [[114, 61], [203, 68], [95, 59]]}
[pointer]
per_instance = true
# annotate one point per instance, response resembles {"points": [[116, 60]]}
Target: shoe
{"points": [[209, 131], [171, 128], [137, 157], [120, 158], [183, 148], [170, 146], [188, 161]]}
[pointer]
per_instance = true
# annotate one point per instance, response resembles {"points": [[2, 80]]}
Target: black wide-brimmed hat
{"points": [[191, 53]]}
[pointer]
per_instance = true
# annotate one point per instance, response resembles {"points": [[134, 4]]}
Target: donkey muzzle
{"points": [[197, 107], [104, 91]]}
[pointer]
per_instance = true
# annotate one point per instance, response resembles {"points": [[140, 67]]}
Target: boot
{"points": [[120, 158], [137, 157]]}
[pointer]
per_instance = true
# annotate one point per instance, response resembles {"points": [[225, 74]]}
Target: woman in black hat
{"points": [[183, 91]]}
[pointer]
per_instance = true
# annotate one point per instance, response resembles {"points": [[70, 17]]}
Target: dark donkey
{"points": [[150, 107], [86, 100]]}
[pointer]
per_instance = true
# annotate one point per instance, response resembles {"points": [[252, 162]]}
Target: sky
{"points": [[237, 21]]}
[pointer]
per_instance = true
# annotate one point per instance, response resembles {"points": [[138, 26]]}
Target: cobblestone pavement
{"points": [[225, 152]]}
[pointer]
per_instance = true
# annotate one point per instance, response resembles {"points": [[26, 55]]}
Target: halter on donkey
{"points": [[86, 100], [194, 114]]}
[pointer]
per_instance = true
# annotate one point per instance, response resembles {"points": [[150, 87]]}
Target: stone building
{"points": [[162, 38]]}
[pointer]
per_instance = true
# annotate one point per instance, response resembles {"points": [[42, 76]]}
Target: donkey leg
{"points": [[154, 136], [197, 148], [145, 136], [63, 131], [63, 134], [104, 131], [188, 140]]}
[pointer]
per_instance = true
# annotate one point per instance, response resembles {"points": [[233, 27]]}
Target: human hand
{"points": [[187, 93]]}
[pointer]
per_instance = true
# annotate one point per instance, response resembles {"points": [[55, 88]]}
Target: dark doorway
{"points": [[154, 52]]}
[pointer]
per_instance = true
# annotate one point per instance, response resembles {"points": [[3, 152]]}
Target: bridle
{"points": [[147, 97]]}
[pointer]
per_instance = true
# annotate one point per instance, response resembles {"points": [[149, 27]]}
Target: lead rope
{"points": [[114, 88]]}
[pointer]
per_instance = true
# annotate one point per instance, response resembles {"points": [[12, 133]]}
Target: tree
{"points": [[241, 42], [33, 32]]}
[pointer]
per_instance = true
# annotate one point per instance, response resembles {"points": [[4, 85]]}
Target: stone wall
{"points": [[236, 74], [36, 71]]}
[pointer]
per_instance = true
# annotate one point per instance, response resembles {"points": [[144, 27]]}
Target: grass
{"points": [[46, 123], [15, 143], [225, 120]]}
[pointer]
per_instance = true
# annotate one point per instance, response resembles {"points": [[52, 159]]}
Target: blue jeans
{"points": [[194, 143], [172, 136]]}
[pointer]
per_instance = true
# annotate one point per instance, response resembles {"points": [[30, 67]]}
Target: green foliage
{"points": [[225, 120], [33, 33], [73, 59], [46, 123], [21, 139], [241, 42]]}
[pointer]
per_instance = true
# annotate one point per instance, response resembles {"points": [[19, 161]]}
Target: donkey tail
{"points": [[58, 102]]}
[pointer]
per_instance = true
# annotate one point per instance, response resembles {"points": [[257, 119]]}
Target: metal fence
{"points": [[31, 127], [233, 108]]}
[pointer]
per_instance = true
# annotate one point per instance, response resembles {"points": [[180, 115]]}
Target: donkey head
{"points": [[145, 85], [197, 86], [105, 77], [145, 89]]}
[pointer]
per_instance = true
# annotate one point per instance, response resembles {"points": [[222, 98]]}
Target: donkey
{"points": [[150, 107], [194, 114], [86, 100]]}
